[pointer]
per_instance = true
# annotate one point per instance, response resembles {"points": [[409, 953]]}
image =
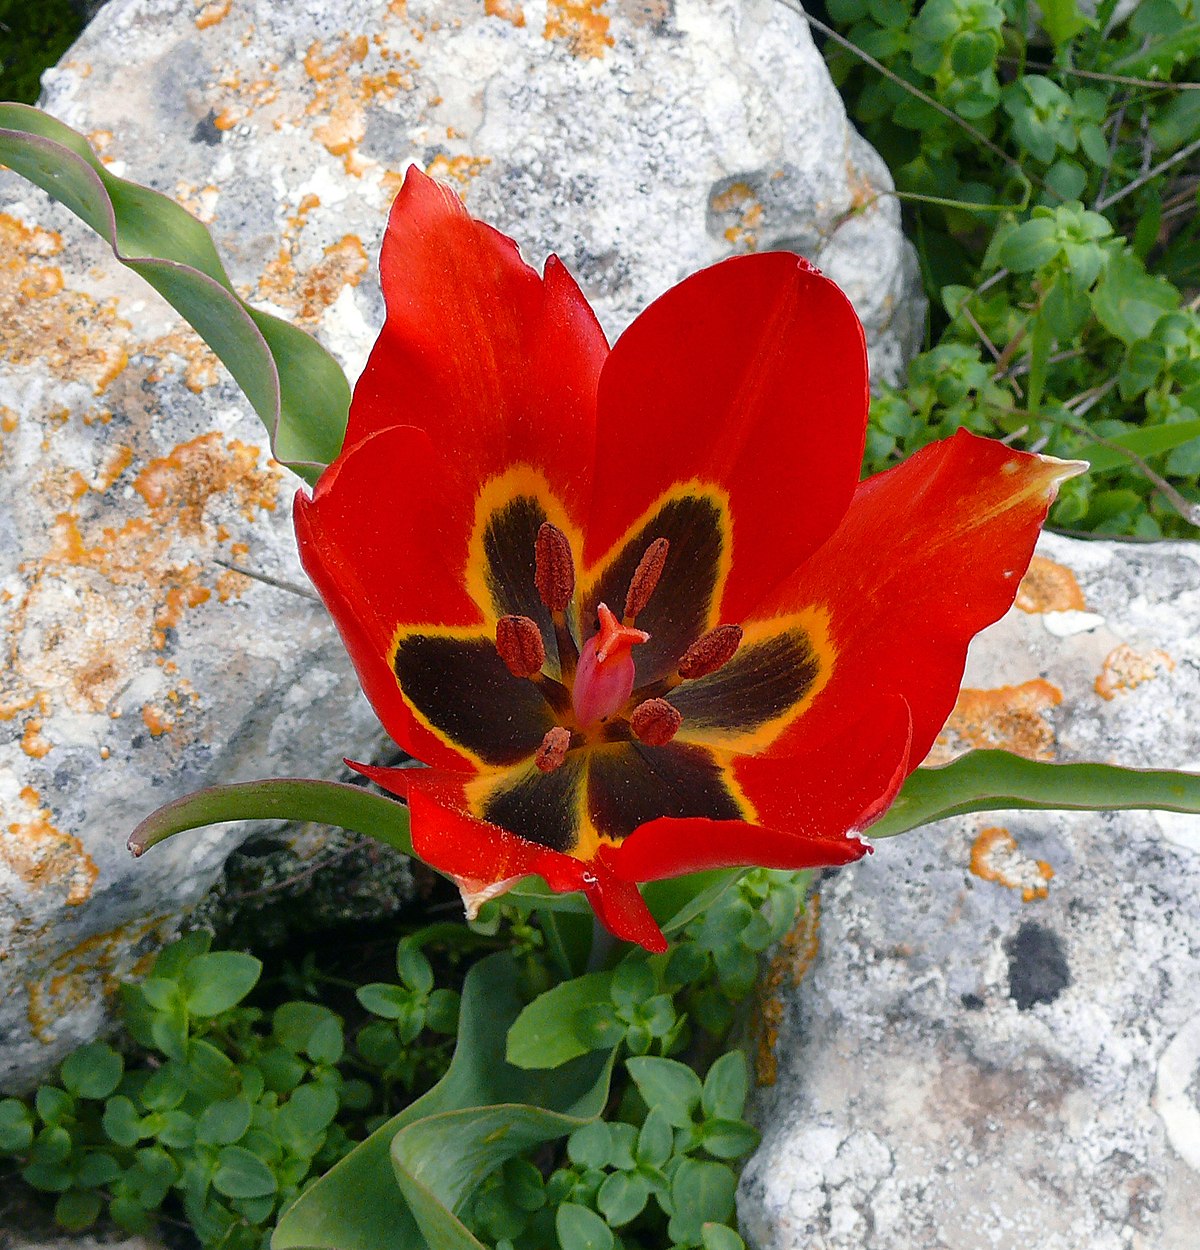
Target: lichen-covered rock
{"points": [[998, 1043], [639, 140]]}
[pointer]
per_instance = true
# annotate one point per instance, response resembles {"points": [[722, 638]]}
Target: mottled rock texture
{"points": [[998, 1043], [639, 140]]}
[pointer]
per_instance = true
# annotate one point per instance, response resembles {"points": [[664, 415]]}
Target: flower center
{"points": [[597, 699]]}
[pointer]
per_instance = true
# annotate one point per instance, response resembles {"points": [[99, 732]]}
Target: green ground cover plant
{"points": [[33, 35], [1049, 172]]}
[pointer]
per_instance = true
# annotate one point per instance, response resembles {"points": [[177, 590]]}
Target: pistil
{"points": [[604, 678]]}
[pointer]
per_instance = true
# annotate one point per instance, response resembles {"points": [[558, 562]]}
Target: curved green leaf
{"points": [[986, 781], [280, 798], [398, 1189], [544, 1034], [296, 387]]}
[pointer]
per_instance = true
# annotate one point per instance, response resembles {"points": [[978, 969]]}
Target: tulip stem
{"points": [[603, 943]]}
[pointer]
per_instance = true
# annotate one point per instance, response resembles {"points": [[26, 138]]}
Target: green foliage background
{"points": [[1049, 177], [33, 35]]}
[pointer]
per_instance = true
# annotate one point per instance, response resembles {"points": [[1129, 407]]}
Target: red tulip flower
{"points": [[633, 607]]}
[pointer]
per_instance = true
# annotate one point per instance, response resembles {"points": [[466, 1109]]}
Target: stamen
{"points": [[553, 750], [520, 644], [645, 578], [709, 653], [655, 722], [554, 567]]}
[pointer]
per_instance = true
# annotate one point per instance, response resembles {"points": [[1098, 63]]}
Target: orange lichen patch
{"points": [[40, 855], [1125, 669], [995, 857], [201, 202], [77, 336], [156, 720], [93, 969], [1049, 587], [226, 119], [8, 420], [459, 168], [308, 294], [505, 9], [791, 963], [33, 742], [741, 206], [184, 481], [581, 24], [232, 585], [213, 12], [201, 368], [1012, 718], [862, 191]]}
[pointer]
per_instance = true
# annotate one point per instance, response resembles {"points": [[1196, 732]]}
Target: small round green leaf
{"points": [[215, 982], [581, 1229], [93, 1071], [78, 1209], [241, 1174]]}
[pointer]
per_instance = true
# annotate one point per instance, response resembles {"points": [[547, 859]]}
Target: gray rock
{"points": [[998, 1044], [641, 140]]}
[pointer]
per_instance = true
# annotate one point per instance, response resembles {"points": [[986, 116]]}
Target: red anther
{"points": [[645, 577], [709, 653], [554, 567], [614, 638], [520, 644], [553, 750], [655, 722]]}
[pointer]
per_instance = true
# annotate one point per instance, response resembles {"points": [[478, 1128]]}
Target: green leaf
{"points": [[414, 968], [310, 1110], [1148, 440], [655, 1140], [294, 1024], [298, 390], [720, 1237], [78, 1209], [391, 1002], [622, 1197], [215, 982], [16, 1127], [546, 1033], [701, 1193], [1128, 301], [1061, 20], [591, 1146], [322, 802], [581, 1229], [988, 781], [54, 1105], [92, 1071], [398, 1189], [726, 1087], [728, 1139], [242, 1174], [121, 1122], [225, 1122], [670, 1086]]}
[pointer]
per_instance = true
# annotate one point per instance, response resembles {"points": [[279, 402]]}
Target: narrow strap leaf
{"points": [[296, 387], [280, 798], [987, 781]]}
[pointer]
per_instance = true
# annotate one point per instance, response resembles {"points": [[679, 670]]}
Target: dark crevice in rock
{"points": [[1037, 966]]}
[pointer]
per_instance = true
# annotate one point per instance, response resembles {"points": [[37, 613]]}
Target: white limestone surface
{"points": [[639, 140], [997, 1046]]}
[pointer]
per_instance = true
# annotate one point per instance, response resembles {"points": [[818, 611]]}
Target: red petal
{"points": [[751, 375], [809, 806], [480, 351], [477, 854], [384, 539], [929, 553]]}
